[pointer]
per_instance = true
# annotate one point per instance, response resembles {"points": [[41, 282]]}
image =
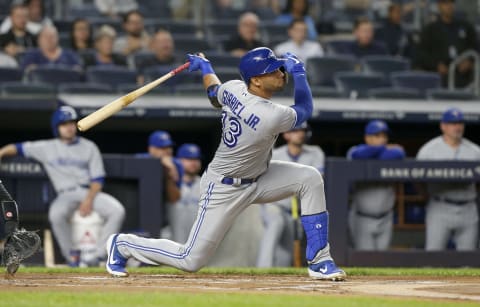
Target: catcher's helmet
{"points": [[62, 115], [259, 61]]}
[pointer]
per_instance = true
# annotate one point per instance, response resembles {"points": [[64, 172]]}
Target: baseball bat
{"points": [[118, 104]]}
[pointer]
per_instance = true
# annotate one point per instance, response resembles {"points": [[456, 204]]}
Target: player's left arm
{"points": [[302, 94], [211, 83]]}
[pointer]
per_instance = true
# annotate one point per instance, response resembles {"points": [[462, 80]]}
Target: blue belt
{"points": [[238, 181]]}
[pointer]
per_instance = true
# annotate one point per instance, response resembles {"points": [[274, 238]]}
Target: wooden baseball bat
{"points": [[118, 104]]}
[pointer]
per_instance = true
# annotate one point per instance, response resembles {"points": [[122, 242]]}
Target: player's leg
{"points": [[466, 233], [59, 214], [364, 230], [219, 205], [307, 184], [437, 226], [384, 232], [273, 229], [113, 214]]}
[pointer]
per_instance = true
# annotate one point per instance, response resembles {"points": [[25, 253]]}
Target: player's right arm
{"points": [[8, 151], [302, 94], [211, 83]]}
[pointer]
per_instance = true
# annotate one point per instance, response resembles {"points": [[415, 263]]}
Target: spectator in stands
{"points": [[136, 37], [163, 47], [298, 43], [364, 44], [298, 9], [116, 8], [444, 40], [49, 52], [81, 35], [7, 61], [104, 55], [36, 17], [371, 211], [392, 33], [452, 211], [17, 39], [247, 37]]}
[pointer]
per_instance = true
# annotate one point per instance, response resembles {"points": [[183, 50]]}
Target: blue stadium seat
{"points": [[356, 85], [189, 44], [273, 32], [84, 88], [111, 75], [10, 74], [385, 65], [395, 93], [336, 47], [27, 89], [445, 94], [320, 70], [416, 79], [54, 75], [223, 60]]}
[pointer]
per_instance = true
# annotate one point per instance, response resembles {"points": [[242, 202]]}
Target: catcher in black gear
{"points": [[19, 243]]}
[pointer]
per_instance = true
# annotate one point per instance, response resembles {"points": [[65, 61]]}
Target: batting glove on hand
{"points": [[199, 63], [293, 65]]}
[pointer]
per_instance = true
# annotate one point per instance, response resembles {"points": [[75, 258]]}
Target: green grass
{"points": [[146, 297], [152, 298], [351, 271]]}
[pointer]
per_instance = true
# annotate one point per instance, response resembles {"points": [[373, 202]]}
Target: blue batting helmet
{"points": [[259, 61], [62, 115]]}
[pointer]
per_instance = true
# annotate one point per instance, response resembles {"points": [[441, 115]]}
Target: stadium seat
{"points": [[384, 65], [27, 89], [273, 32], [111, 75], [338, 47], [224, 60], [84, 88], [185, 44], [156, 72], [126, 88], [326, 92], [356, 85], [83, 11], [10, 74], [219, 31], [445, 94], [141, 57], [395, 93], [174, 27], [190, 89], [416, 79], [154, 9], [320, 70], [54, 75]]}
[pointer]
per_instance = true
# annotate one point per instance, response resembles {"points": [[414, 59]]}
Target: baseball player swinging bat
{"points": [[120, 103]]}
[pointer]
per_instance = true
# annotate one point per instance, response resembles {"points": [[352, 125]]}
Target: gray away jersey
{"points": [[250, 126], [437, 149], [67, 165]]}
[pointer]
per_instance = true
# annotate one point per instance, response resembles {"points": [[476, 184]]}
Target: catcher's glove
{"points": [[19, 245]]}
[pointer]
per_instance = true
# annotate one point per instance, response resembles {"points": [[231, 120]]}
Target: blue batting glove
{"points": [[199, 63], [293, 65]]}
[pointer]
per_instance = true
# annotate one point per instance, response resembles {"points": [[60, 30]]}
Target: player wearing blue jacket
{"points": [[371, 211]]}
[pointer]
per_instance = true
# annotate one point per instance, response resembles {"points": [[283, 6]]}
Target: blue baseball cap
{"points": [[376, 126], [160, 139], [452, 115], [189, 151]]}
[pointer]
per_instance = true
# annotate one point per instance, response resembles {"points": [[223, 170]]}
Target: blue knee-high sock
{"points": [[316, 230]]}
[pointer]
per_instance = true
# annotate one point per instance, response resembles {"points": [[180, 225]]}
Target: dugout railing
{"points": [[340, 174]]}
